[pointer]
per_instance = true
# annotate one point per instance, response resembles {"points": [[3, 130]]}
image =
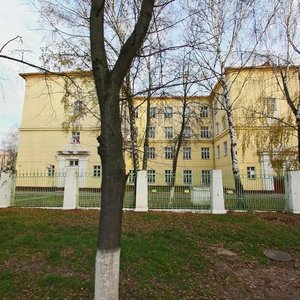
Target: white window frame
{"points": [[204, 132], [151, 132], [224, 122], [131, 176], [205, 153], [97, 171], [78, 107], [168, 176], [152, 112], [73, 162], [151, 176], [217, 128], [187, 153], [51, 170], [168, 112], [169, 152], [151, 152], [75, 139], [205, 177], [251, 172], [169, 133], [187, 132], [218, 151], [204, 112], [187, 177], [187, 112], [225, 148]]}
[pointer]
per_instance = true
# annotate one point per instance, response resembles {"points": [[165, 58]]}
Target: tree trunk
{"points": [[177, 147], [233, 148], [146, 140], [298, 137], [112, 193], [108, 86], [133, 135]]}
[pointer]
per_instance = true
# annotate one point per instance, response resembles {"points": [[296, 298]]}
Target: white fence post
{"points": [[141, 195], [293, 191], [216, 193], [6, 181], [71, 188]]}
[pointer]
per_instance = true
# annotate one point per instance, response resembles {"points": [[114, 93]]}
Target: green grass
{"points": [[49, 254], [159, 198]]}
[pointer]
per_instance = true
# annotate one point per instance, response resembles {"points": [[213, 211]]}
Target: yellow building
{"points": [[59, 126]]}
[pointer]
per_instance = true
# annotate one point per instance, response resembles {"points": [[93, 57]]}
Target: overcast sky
{"points": [[16, 18]]}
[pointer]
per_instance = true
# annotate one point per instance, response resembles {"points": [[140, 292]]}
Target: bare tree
{"points": [[218, 30], [280, 49], [9, 150], [108, 81]]}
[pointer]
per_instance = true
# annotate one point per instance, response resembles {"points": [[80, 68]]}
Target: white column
{"points": [[293, 191], [216, 193], [71, 188], [6, 181], [141, 196]]}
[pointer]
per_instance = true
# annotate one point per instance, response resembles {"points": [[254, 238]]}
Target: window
{"points": [[152, 112], [216, 106], [151, 152], [187, 132], [51, 170], [131, 176], [204, 132], [205, 153], [187, 176], [222, 101], [168, 112], [78, 107], [225, 147], [97, 171], [151, 133], [151, 176], [204, 112], [224, 125], [75, 137], [136, 112], [218, 151], [74, 162], [251, 174], [187, 152], [169, 153], [271, 105], [168, 132], [187, 112], [205, 177], [217, 128], [168, 176]]}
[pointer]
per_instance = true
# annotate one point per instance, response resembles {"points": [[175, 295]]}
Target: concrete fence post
{"points": [[6, 182], [216, 193], [71, 188], [141, 195], [293, 191]]}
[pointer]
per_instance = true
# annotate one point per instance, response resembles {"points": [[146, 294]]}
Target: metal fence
{"points": [[254, 192], [259, 193], [41, 189], [90, 192], [38, 189], [190, 194]]}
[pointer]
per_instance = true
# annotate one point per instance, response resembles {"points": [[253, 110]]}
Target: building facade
{"points": [[60, 127]]}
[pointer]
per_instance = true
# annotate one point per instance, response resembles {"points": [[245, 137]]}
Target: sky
{"points": [[17, 18]]}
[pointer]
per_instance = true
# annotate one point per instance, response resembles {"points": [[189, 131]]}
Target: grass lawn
{"points": [[49, 254], [160, 199]]}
